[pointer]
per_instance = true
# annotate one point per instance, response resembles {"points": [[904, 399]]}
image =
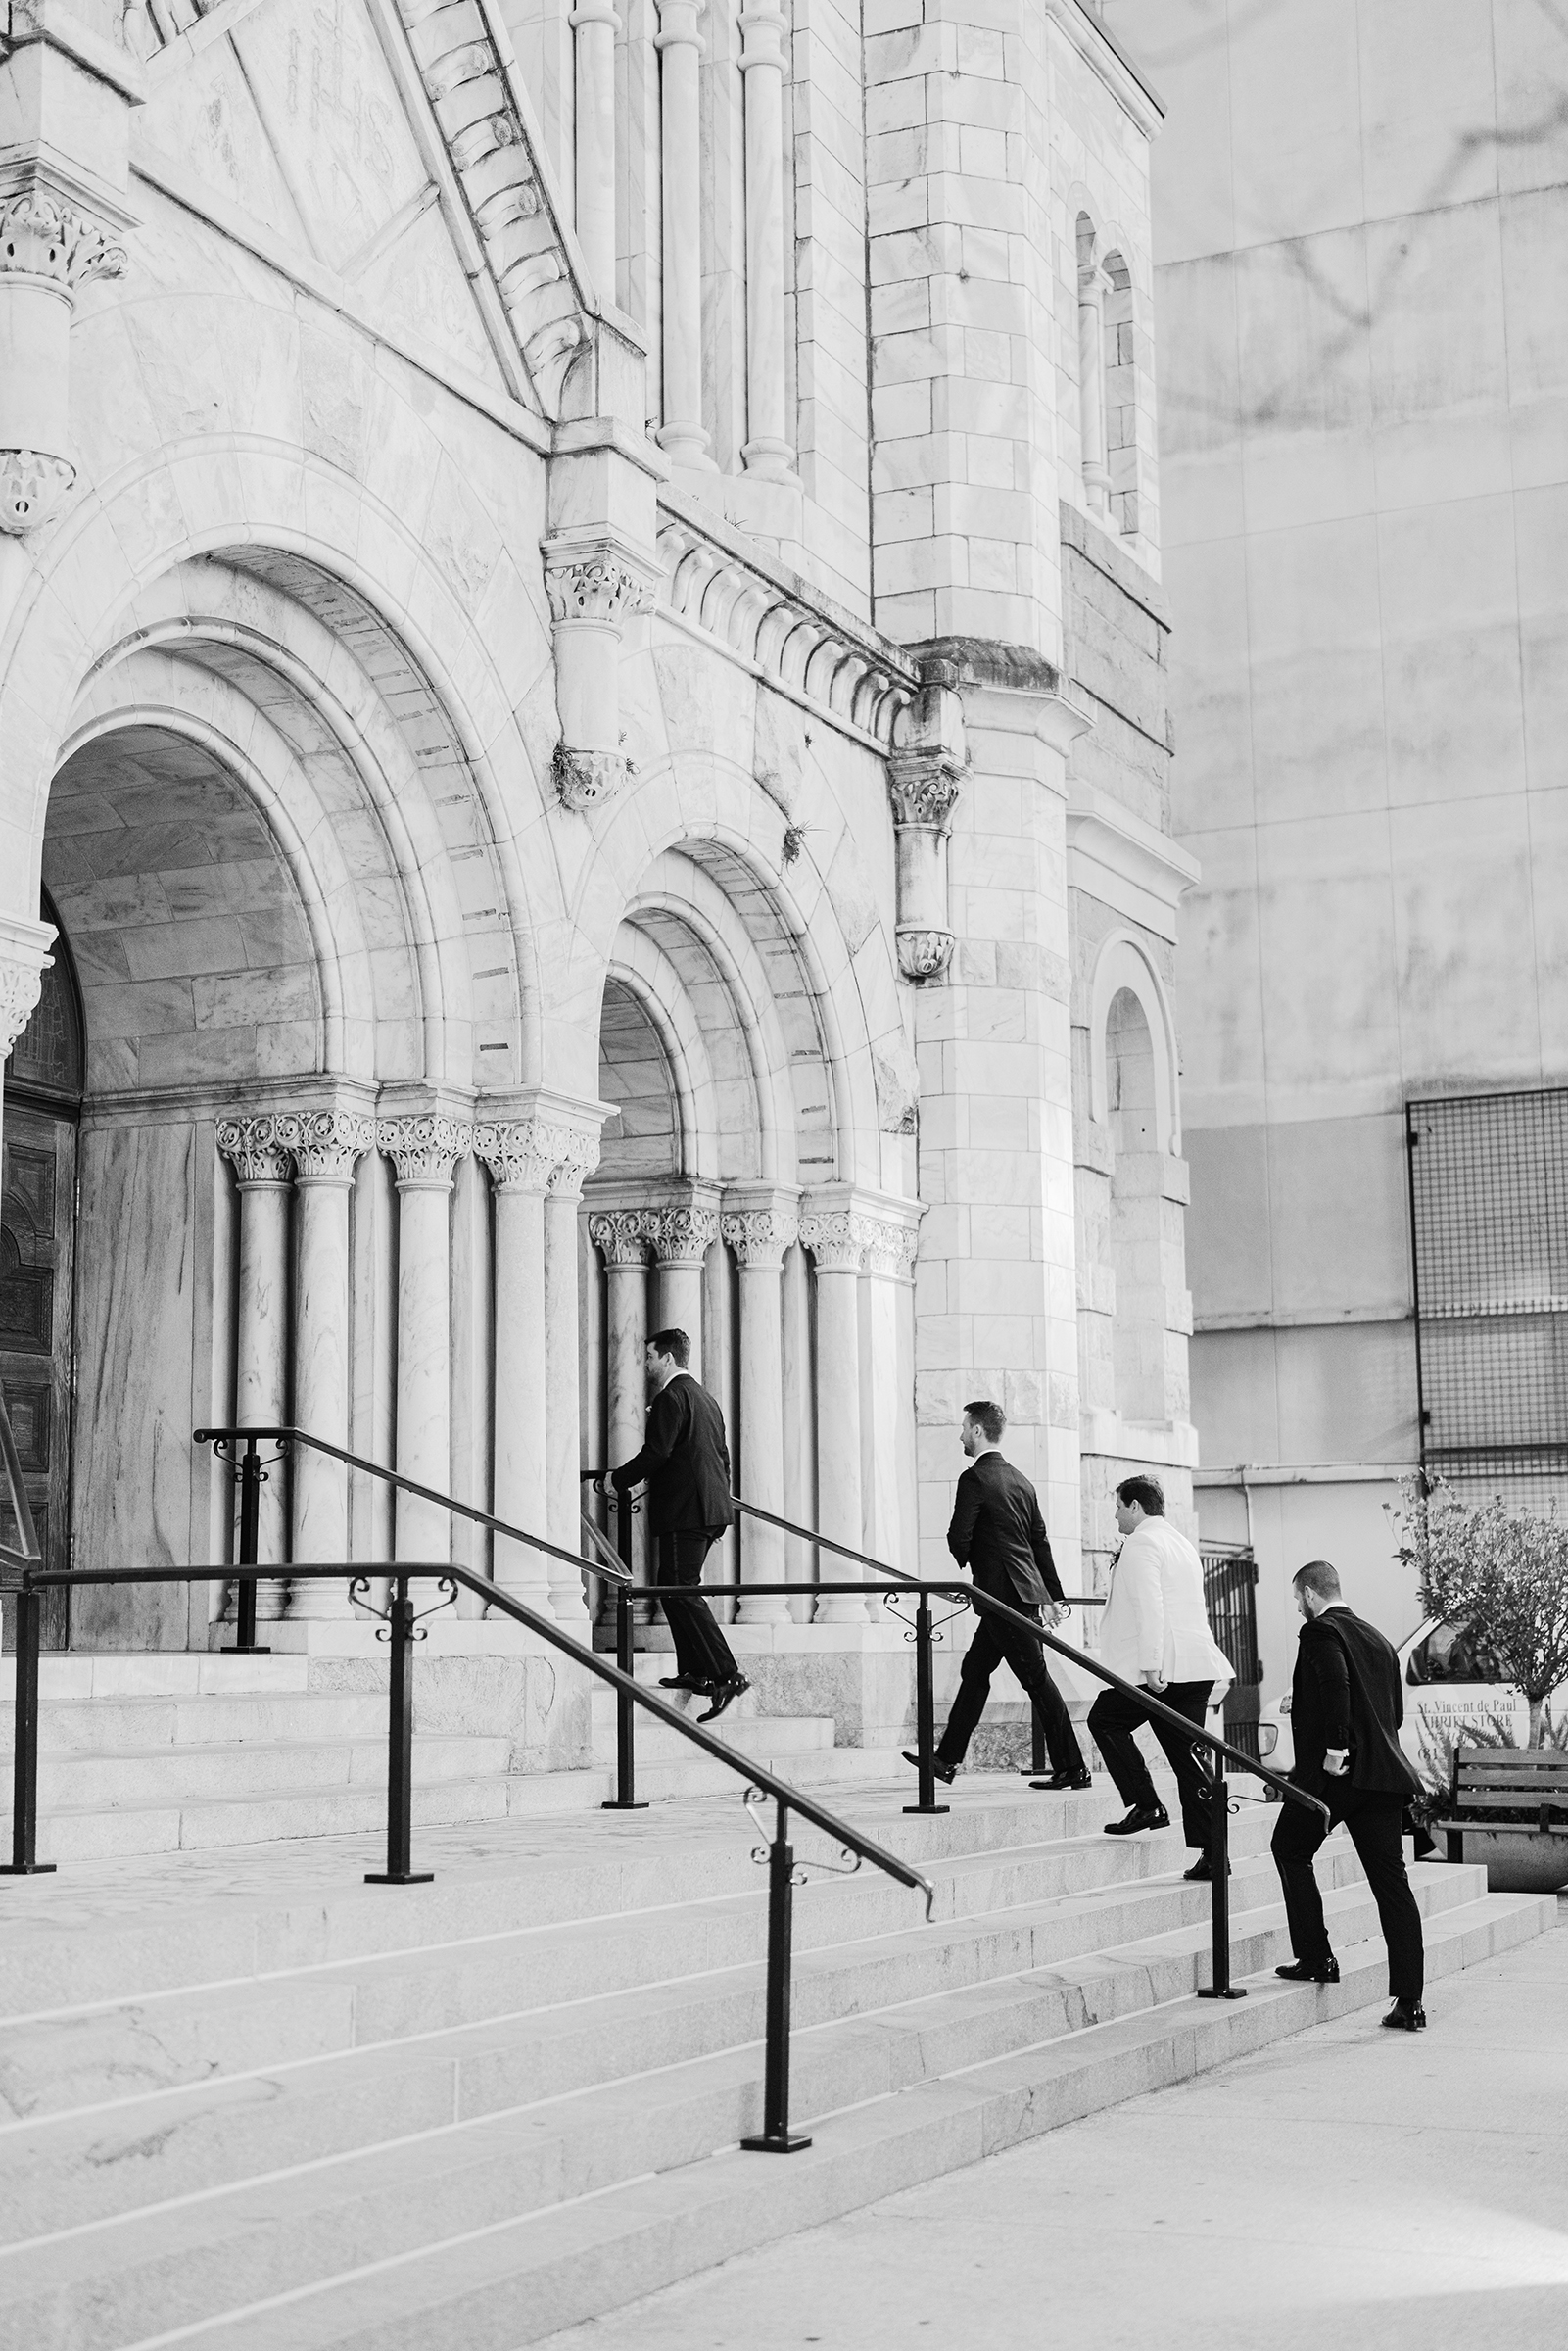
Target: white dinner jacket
{"points": [[1155, 1620]]}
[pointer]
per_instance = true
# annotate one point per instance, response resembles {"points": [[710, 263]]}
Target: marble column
{"points": [[263, 1166], [768, 448], [325, 1147], [593, 22], [837, 1244], [889, 1256], [520, 1155], [425, 1151], [618, 1234], [759, 1235], [679, 45], [1091, 387], [562, 1425], [681, 1238]]}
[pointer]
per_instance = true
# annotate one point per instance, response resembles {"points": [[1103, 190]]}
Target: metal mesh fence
{"points": [[1489, 1214]]}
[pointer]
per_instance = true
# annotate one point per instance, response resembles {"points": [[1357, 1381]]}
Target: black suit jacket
{"points": [[684, 1458], [997, 1533], [1347, 1692]]}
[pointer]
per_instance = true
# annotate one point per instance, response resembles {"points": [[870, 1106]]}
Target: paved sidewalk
{"points": [[1348, 2190]]}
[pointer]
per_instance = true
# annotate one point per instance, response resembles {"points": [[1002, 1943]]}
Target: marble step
{"points": [[995, 1913], [251, 1768], [117, 1724], [207, 1824], [74, 2166], [71, 1675], [152, 2273], [500, 2284]]}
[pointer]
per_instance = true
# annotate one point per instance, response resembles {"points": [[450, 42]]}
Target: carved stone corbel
{"points": [[594, 583], [925, 770]]}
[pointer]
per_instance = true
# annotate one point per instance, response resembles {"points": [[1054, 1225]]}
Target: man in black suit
{"points": [[686, 1462], [998, 1533], [1346, 1705]]}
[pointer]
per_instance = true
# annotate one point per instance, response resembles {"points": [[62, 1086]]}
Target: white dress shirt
{"points": [[1155, 1620]]}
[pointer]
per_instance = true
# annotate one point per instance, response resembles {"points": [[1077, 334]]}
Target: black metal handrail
{"points": [[401, 1628]]}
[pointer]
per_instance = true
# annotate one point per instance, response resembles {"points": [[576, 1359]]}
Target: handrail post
{"points": [[925, 1713], [25, 1862], [625, 1798], [245, 1643], [776, 2139], [1221, 1987], [399, 1746]]}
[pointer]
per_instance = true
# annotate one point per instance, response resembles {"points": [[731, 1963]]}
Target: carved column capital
{"points": [[577, 1160], [260, 1154], [583, 779], [836, 1240], [891, 1246], [924, 954], [24, 957], [596, 583], [325, 1145], [425, 1151], [42, 237], [760, 1236], [518, 1152], [619, 1233], [681, 1236], [924, 784]]}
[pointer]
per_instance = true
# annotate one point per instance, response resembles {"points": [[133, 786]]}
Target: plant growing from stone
{"points": [[1501, 1573]]}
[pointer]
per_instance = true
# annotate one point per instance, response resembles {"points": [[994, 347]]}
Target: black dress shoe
{"points": [[947, 1773], [682, 1681], [1202, 1870], [724, 1694], [1299, 1972], [1077, 1781], [1142, 1817], [1406, 2016]]}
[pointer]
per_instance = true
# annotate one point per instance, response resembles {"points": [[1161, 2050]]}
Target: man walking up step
{"points": [[1154, 1631], [686, 1464], [1346, 1705], [997, 1533]]}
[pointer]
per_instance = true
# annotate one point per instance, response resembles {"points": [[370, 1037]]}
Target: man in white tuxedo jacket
{"points": [[1155, 1633]]}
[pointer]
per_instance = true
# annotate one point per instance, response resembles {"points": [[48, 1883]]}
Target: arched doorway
{"points": [[44, 1082]]}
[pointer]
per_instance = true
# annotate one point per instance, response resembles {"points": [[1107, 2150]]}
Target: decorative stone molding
{"points": [[620, 1234], [325, 1145], [857, 1239], [465, 62], [570, 1173], [890, 1247], [773, 623], [24, 959], [258, 1148], [426, 1150], [925, 770], [47, 250], [681, 1236], [760, 1236]]}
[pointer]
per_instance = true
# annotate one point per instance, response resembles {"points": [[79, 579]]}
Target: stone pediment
{"points": [[388, 143]]}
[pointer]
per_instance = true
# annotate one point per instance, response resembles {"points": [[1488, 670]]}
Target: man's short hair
{"points": [[1319, 1576], [1147, 1492], [989, 1418], [673, 1343]]}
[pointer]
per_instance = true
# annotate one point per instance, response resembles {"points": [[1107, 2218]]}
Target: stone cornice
{"points": [[1087, 32], [1125, 862], [807, 647]]}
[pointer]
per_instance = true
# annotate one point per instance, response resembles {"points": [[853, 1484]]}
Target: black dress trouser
{"points": [[997, 1642], [701, 1652], [1375, 1822], [1113, 1720]]}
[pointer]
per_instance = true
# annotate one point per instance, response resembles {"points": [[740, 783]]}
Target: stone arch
{"points": [[1124, 966], [818, 1009], [409, 658]]}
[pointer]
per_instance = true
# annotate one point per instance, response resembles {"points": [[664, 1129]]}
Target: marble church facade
{"points": [[582, 686]]}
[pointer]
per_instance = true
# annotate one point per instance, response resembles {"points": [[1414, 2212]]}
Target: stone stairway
{"points": [[154, 1752], [251, 2104]]}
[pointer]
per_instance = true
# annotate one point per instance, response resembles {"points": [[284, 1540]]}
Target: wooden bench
{"points": [[1508, 1809]]}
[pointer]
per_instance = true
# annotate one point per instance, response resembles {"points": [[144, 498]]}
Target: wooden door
{"points": [[37, 1286]]}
